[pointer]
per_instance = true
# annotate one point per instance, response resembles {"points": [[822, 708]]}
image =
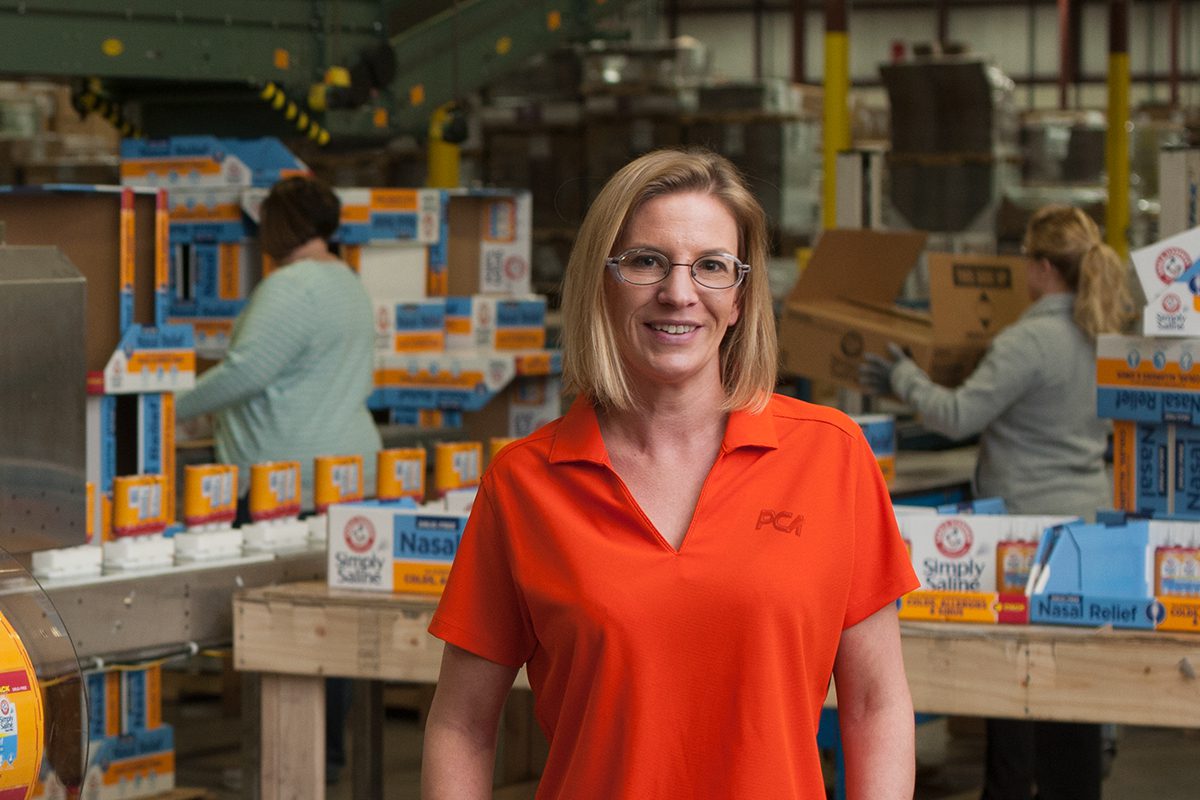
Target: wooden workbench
{"points": [[297, 634]]}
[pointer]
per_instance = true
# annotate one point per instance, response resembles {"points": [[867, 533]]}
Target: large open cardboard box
{"points": [[843, 306], [86, 227]]}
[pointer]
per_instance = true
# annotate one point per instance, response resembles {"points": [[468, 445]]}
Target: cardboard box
{"points": [[525, 405], [1178, 190], [492, 322], [207, 161], [843, 306], [410, 326], [972, 568], [389, 215], [461, 381], [397, 271], [1148, 380], [85, 224], [1156, 469], [131, 765], [387, 547], [488, 241], [1169, 262]]}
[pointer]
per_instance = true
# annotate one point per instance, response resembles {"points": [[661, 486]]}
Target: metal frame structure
{"points": [[231, 67]]}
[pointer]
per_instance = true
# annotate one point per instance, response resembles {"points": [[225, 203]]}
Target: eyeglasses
{"points": [[642, 267]]}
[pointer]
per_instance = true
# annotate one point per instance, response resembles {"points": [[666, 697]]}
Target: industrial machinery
{"points": [[323, 69]]}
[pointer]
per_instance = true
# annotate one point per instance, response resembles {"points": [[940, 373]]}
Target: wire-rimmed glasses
{"points": [[643, 267]]}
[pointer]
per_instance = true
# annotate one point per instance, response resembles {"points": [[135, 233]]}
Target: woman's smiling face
{"points": [[670, 333]]}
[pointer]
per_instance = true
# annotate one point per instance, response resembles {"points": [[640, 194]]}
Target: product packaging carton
{"points": [[1148, 380], [183, 161], [843, 306], [492, 322], [485, 245], [410, 326], [389, 215], [1141, 574], [972, 568], [131, 765], [1156, 469], [1167, 262], [392, 547], [525, 405]]}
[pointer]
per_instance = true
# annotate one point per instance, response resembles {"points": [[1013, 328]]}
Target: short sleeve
{"points": [[882, 568], [482, 609]]}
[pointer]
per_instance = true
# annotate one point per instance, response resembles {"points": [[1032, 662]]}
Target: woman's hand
{"points": [[875, 371]]}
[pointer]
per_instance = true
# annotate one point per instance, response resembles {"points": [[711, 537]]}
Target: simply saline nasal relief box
{"points": [[972, 568], [392, 548]]}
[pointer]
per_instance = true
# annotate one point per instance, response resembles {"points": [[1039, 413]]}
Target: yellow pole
{"points": [[443, 157], [836, 110], [1117, 142]]}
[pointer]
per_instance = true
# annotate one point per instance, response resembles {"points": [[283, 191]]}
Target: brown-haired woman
{"points": [[1032, 400], [295, 381]]}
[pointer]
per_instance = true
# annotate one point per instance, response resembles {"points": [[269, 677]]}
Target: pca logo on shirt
{"points": [[782, 521]]}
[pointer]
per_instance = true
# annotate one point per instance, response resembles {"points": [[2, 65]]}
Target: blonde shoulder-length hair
{"points": [[592, 365], [1070, 240]]}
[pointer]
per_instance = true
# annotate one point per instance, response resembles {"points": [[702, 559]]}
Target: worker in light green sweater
{"points": [[295, 381]]}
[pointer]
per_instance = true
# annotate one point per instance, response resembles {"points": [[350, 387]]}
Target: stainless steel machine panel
{"points": [[42, 400]]}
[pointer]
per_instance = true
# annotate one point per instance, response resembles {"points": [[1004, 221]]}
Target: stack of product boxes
{"points": [[117, 238], [397, 543], [214, 260], [130, 750], [457, 326], [1131, 572]]}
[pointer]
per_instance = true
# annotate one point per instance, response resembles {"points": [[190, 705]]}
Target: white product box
{"points": [[1166, 263], [392, 548], [972, 568]]}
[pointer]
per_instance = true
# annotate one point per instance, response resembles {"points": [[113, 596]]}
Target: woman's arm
{"points": [[875, 709], [460, 731], [271, 334], [1007, 371]]}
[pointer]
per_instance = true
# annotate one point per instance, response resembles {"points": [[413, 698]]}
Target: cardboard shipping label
{"points": [[274, 490]]}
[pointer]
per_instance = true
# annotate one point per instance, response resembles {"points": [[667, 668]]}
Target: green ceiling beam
{"points": [[287, 41]]}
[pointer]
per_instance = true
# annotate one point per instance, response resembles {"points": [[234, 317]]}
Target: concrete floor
{"points": [[1158, 763]]}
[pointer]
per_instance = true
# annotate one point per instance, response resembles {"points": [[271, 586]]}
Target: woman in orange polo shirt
{"points": [[683, 559]]}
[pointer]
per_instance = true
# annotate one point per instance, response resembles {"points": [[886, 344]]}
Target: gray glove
{"points": [[875, 371]]}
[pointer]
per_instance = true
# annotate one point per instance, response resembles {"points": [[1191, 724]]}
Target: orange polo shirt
{"points": [[696, 673]]}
